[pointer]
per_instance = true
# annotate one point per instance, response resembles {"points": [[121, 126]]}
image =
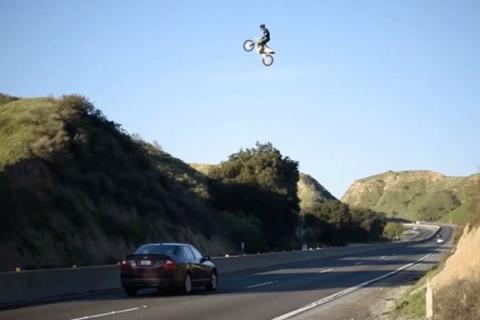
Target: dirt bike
{"points": [[267, 54]]}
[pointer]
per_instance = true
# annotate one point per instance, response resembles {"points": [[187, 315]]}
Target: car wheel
{"points": [[187, 284], [130, 291], [212, 285]]}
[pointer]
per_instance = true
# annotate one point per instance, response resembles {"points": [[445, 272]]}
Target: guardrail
{"points": [[40, 285]]}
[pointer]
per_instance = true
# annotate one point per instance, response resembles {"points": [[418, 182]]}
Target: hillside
{"points": [[76, 188], [417, 195], [310, 191]]}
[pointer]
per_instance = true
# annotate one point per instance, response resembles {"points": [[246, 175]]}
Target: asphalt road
{"points": [[263, 294]]}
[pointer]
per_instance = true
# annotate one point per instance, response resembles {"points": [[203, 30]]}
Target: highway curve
{"points": [[264, 294]]}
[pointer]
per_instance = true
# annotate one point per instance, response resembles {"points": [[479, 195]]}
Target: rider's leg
{"points": [[266, 47], [261, 46]]}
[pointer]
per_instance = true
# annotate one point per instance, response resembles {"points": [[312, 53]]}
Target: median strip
{"points": [[111, 313], [342, 293]]}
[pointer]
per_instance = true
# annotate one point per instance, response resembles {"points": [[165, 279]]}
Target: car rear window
{"points": [[167, 250]]}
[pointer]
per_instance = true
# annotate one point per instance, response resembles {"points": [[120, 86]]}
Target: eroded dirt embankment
{"points": [[456, 289], [464, 264]]}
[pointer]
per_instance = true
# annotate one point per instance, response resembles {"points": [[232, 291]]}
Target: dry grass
{"points": [[460, 301]]}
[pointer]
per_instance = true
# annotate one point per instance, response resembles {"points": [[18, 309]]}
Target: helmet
{"points": [[262, 26]]}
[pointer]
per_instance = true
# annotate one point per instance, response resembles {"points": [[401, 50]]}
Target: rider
{"points": [[262, 43]]}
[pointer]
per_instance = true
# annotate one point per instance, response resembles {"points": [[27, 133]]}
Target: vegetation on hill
{"points": [[76, 188], [309, 191], [393, 230], [252, 183], [417, 195], [261, 185], [6, 98], [336, 223]]}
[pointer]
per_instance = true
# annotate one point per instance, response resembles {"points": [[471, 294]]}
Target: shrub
{"points": [[393, 230], [239, 228], [459, 301]]}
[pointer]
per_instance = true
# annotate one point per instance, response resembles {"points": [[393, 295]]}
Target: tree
{"points": [[261, 183], [393, 230]]}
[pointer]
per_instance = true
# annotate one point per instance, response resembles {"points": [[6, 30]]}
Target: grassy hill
{"points": [[310, 191], [417, 195], [76, 188]]}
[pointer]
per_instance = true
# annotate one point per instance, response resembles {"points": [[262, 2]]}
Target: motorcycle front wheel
{"points": [[267, 60], [248, 45]]}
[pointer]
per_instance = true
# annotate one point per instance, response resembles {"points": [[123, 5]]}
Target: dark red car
{"points": [[167, 266]]}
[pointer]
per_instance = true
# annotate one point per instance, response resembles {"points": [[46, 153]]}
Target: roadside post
{"points": [[429, 301]]}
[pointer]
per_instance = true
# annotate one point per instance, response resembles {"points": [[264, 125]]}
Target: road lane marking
{"points": [[382, 257], [342, 293], [326, 270], [261, 284], [358, 263], [111, 313], [288, 271]]}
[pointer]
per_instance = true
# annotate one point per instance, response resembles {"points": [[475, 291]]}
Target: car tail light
{"points": [[169, 265], [126, 264]]}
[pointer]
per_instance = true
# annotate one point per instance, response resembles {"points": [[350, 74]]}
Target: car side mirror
{"points": [[206, 258]]}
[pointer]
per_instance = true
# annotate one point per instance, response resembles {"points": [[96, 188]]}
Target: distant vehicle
{"points": [[440, 240], [167, 266], [265, 51]]}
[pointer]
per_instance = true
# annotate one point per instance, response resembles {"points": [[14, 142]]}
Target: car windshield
{"points": [[167, 250]]}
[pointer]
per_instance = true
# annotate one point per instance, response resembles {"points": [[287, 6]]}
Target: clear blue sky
{"points": [[357, 88]]}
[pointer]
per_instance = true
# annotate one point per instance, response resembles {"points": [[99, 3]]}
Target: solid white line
{"points": [[261, 284], [94, 316], [342, 293]]}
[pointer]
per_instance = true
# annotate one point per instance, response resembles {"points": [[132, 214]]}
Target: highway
{"points": [[262, 294]]}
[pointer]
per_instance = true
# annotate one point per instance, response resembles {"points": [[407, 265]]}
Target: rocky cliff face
{"points": [[417, 195]]}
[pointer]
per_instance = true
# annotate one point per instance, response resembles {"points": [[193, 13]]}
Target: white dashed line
{"points": [[111, 313], [358, 263], [342, 293], [382, 257], [326, 270], [261, 284]]}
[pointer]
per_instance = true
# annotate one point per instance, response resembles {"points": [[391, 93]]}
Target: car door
{"points": [[203, 270], [193, 265]]}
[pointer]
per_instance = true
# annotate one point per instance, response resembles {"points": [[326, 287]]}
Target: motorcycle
{"points": [[267, 54]]}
